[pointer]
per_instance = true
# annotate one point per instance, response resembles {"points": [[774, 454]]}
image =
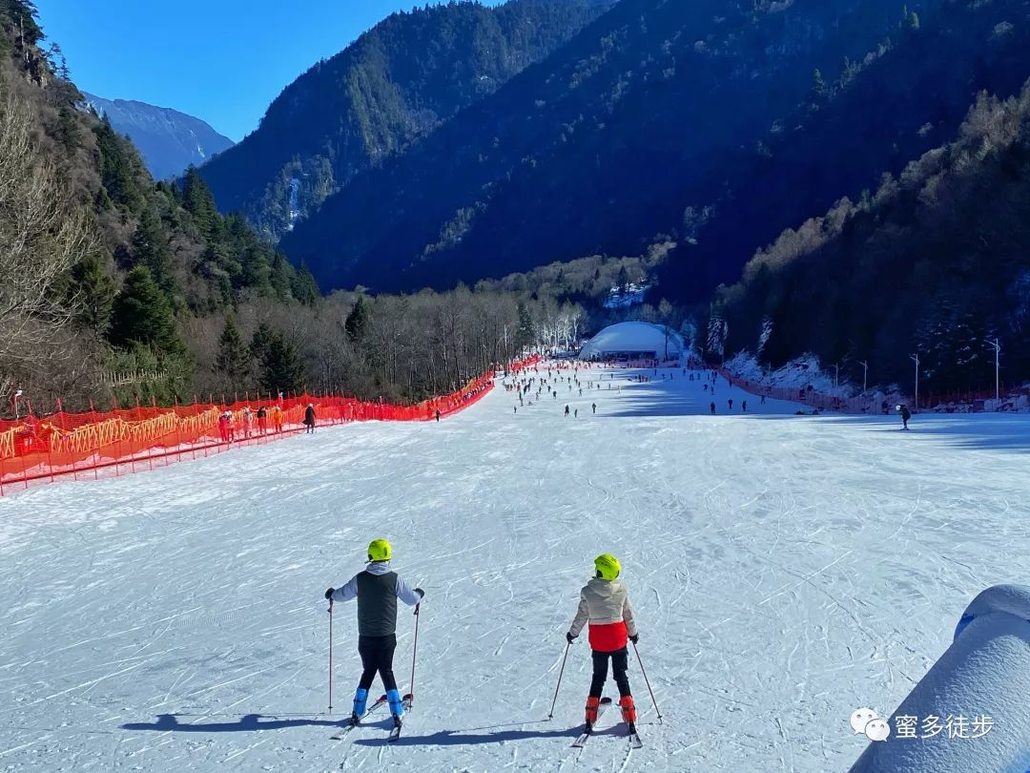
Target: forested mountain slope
{"points": [[596, 149], [396, 83], [934, 263]]}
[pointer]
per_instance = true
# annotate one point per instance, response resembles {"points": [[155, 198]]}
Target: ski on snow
{"points": [[580, 742], [342, 732], [395, 732], [634, 738]]}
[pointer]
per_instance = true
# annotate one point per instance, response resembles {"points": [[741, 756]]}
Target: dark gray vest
{"points": [[377, 604]]}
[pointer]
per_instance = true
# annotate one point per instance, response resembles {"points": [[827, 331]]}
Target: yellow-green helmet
{"points": [[379, 550], [607, 566]]}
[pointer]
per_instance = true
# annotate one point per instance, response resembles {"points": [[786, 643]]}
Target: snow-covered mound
{"points": [[971, 709]]}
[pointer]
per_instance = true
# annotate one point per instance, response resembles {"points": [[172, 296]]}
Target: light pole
{"points": [[865, 374], [915, 359], [836, 375], [997, 369], [17, 396]]}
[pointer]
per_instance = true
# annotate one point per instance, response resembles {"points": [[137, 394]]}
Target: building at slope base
{"points": [[634, 341]]}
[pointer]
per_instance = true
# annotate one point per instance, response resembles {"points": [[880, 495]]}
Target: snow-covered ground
{"points": [[786, 570]]}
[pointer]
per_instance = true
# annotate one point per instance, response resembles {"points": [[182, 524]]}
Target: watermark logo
{"points": [[867, 721]]}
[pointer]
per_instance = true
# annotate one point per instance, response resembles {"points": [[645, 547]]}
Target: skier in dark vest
{"points": [[309, 418], [377, 589]]}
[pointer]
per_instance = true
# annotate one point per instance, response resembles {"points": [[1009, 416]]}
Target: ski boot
{"points": [[396, 706], [360, 701], [591, 712], [629, 712]]}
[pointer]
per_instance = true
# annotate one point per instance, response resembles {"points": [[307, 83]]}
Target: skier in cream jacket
{"points": [[604, 602]]}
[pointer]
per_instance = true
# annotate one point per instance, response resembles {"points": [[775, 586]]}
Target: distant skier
{"points": [[906, 414], [437, 415], [575, 414], [730, 404], [377, 589], [566, 410], [594, 407], [262, 419], [711, 406], [309, 418], [604, 602], [743, 406]]}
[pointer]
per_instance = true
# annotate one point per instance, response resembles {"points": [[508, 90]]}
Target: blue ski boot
{"points": [[360, 701], [396, 705]]}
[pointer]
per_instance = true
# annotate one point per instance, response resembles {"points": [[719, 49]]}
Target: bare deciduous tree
{"points": [[42, 235]]}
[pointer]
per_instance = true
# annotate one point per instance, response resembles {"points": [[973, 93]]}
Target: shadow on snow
{"points": [[247, 723]]}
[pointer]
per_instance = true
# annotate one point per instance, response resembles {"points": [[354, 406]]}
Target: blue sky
{"points": [[221, 60]]}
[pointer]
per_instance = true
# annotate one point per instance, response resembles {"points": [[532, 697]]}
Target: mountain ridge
{"points": [[397, 82], [169, 140]]}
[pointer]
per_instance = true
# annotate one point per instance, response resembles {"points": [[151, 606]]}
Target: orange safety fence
{"points": [[41, 448]]}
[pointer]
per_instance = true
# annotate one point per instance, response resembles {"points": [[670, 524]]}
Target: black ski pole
{"points": [[330, 656], [657, 711], [560, 673], [414, 650]]}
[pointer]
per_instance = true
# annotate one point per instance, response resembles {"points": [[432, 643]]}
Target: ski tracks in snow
{"points": [[784, 570]]}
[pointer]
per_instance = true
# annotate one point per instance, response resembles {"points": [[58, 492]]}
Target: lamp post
{"points": [[865, 374], [836, 374], [915, 359], [17, 396], [997, 369]]}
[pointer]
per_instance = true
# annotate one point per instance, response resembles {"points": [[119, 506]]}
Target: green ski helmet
{"points": [[379, 550], [607, 566]]}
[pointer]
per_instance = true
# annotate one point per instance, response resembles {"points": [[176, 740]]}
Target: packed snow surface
{"points": [[785, 571]]}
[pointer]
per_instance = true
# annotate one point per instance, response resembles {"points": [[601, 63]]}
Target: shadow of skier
{"points": [[246, 724], [463, 738]]}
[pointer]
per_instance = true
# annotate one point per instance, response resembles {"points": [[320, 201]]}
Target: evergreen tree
{"points": [[233, 358], [118, 172], [95, 291], [304, 287], [357, 320], [281, 369], [22, 16], [282, 275], [198, 201], [623, 280], [525, 335], [150, 248], [142, 315], [260, 342]]}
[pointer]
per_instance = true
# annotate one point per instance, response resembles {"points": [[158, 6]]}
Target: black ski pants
{"points": [[620, 662], [377, 657]]}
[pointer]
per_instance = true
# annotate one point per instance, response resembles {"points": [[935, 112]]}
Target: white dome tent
{"points": [[634, 341]]}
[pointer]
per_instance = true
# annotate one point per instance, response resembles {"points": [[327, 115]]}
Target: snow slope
{"points": [[786, 570]]}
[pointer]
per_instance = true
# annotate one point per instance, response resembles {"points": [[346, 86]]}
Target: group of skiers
{"points": [[603, 604], [227, 422]]}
